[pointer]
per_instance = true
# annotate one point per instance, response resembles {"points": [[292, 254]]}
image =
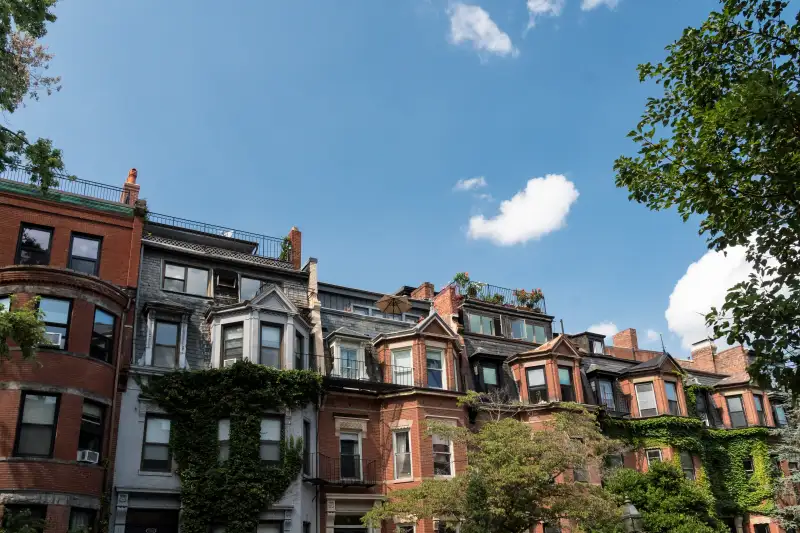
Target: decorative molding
{"points": [[352, 424], [184, 331], [148, 347]]}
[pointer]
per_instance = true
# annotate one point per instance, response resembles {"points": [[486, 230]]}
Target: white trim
{"points": [[647, 457], [452, 460], [359, 439], [148, 347], [395, 365], [410, 454], [182, 355], [361, 364], [443, 358]]}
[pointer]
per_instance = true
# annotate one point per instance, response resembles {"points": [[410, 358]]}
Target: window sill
{"points": [[40, 459], [156, 474], [190, 295], [403, 480], [440, 476]]}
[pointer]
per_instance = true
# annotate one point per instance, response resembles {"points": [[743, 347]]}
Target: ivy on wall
{"points": [[234, 492], [722, 454]]}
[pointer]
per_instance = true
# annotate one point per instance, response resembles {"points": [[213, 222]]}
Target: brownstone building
{"points": [[75, 247]]}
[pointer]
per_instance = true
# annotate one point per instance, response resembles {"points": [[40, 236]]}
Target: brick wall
{"points": [[626, 339], [732, 360]]}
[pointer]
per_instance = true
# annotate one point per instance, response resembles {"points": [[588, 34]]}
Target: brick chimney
{"points": [[704, 355], [626, 339], [732, 360], [296, 238], [130, 190], [446, 304], [424, 291]]}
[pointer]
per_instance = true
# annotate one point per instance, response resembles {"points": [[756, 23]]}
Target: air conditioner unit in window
{"points": [[88, 456], [228, 362], [52, 338]]}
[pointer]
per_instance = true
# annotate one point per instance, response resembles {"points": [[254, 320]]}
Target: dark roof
{"points": [[347, 332], [735, 379], [606, 364], [215, 251], [707, 380], [652, 364]]}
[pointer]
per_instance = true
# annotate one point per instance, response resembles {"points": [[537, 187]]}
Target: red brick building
{"points": [[75, 247]]}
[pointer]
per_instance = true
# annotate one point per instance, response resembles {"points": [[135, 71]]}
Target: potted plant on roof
{"points": [[497, 299], [535, 300], [522, 296], [466, 287]]}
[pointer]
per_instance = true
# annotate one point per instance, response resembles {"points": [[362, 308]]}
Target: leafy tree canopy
{"points": [[723, 142], [24, 326], [515, 477], [788, 449]]}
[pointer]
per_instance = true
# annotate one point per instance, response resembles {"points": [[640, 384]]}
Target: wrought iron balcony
{"points": [[343, 471], [73, 186], [616, 404], [343, 370], [501, 296]]}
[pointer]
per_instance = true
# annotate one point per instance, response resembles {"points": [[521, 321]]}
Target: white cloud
{"points": [[471, 23], [653, 335], [470, 184], [604, 328], [541, 8], [485, 196], [530, 214], [588, 5], [704, 285]]}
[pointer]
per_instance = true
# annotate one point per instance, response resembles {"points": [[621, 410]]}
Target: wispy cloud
{"points": [[541, 208], [470, 184], [604, 328], [469, 23], [545, 8], [485, 197], [588, 5]]}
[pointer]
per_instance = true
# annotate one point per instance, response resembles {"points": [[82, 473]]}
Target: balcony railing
{"points": [[356, 370], [618, 404], [500, 296], [91, 189], [264, 246], [345, 470]]}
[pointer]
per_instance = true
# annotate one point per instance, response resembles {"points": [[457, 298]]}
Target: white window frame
{"points": [[359, 439], [677, 400], [452, 460], [481, 332], [653, 392], [395, 365], [525, 324], [410, 454], [647, 455], [360, 358], [441, 351]]}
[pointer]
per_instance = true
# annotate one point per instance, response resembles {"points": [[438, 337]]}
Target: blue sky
{"points": [[354, 120]]}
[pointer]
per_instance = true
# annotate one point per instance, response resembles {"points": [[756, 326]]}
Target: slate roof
{"points": [[735, 379], [347, 332], [704, 379], [608, 364], [215, 251]]}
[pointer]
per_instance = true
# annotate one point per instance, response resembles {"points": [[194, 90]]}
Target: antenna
{"points": [[663, 349], [562, 325]]}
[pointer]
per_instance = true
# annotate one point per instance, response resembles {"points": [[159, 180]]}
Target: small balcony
{"points": [[342, 471], [352, 373], [512, 298], [615, 404]]}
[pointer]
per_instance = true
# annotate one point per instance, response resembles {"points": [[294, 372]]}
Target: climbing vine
{"points": [[235, 491], [722, 453]]}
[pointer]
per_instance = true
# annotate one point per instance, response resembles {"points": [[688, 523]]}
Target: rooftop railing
{"points": [[276, 248], [65, 184], [501, 296]]}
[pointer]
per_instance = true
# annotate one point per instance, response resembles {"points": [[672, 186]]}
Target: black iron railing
{"points": [[344, 470], [63, 183], [369, 371], [615, 403], [501, 296], [265, 246]]}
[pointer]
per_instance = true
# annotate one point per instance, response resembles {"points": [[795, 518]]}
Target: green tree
{"points": [[20, 522], [509, 482], [788, 449], [23, 67], [22, 325], [669, 502], [723, 142]]}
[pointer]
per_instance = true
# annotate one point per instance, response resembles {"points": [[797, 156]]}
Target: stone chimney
{"points": [[626, 339], [130, 190], [424, 291], [704, 355], [296, 238]]}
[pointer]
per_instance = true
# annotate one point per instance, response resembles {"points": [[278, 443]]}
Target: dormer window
{"points": [[524, 330], [597, 347], [537, 385], [484, 325], [249, 287], [490, 376]]}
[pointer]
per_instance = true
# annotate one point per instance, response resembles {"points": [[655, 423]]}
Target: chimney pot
{"points": [[132, 175]]}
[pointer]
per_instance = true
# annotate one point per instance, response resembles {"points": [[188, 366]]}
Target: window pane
{"points": [[270, 429], [164, 356], [780, 415], [529, 335], [361, 310], [197, 281], [103, 322], [92, 412], [167, 333], [646, 399], [672, 391], [402, 358], [173, 285], [518, 329], [270, 357], [735, 404], [5, 303], [174, 271], [475, 323], [759, 404], [86, 248], [35, 440], [249, 288], [157, 431], [83, 265], [55, 311], [268, 528], [489, 375], [156, 453], [36, 239], [57, 335], [536, 377], [565, 376], [270, 451], [597, 347], [81, 520], [539, 334], [434, 362], [270, 336], [39, 409], [487, 325], [233, 341], [434, 359]]}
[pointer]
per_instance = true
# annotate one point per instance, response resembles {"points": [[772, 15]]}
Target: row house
{"points": [[386, 376], [75, 247], [208, 297]]}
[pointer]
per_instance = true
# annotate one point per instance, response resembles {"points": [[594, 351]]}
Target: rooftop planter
{"points": [[532, 300]]}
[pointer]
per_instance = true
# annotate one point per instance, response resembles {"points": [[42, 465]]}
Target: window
{"points": [[84, 254], [405, 528], [779, 414], [232, 343], [271, 429], [306, 527], [269, 527], [299, 350], [224, 439], [5, 303], [747, 465], [165, 349], [490, 376], [445, 526], [762, 416], [156, 455], [614, 460], [687, 465], [249, 288], [350, 455], [522, 330], [435, 362], [190, 280], [537, 385], [704, 407], [17, 517], [81, 520], [56, 320], [481, 324], [551, 529], [361, 310], [102, 335], [377, 313], [539, 334], [37, 425], [91, 434], [605, 394], [653, 456], [349, 366], [565, 381], [34, 243], [597, 347], [442, 456], [736, 411], [402, 371], [413, 319], [271, 345], [646, 398], [402, 454], [306, 447], [672, 397]]}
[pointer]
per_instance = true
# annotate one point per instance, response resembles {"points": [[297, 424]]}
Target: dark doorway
{"points": [[151, 521]]}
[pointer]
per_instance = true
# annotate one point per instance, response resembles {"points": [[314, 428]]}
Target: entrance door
{"points": [[348, 523], [151, 521], [350, 456]]}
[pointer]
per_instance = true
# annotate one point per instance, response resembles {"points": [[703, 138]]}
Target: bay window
{"points": [[402, 369], [435, 362], [566, 384], [672, 397], [537, 385], [736, 411], [646, 398]]}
